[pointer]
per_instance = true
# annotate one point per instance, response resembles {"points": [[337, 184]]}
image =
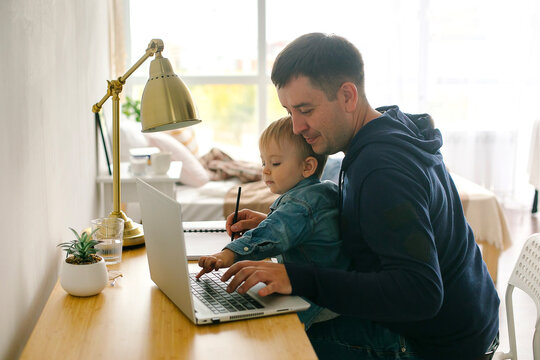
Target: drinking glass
{"points": [[109, 234]]}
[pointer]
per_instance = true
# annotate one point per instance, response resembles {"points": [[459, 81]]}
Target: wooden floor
{"points": [[522, 224]]}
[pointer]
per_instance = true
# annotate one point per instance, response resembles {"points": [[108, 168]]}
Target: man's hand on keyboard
{"points": [[248, 273], [220, 260]]}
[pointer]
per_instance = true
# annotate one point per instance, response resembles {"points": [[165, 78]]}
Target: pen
{"points": [[236, 210]]}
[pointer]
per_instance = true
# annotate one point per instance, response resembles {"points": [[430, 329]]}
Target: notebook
{"points": [[167, 261], [204, 238]]}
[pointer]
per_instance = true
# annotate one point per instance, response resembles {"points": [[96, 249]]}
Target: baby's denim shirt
{"points": [[302, 227]]}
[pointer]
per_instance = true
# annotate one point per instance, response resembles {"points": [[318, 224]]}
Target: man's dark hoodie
{"points": [[416, 267]]}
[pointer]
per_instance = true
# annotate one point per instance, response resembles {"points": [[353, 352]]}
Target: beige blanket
{"points": [[221, 166], [254, 196], [484, 213]]}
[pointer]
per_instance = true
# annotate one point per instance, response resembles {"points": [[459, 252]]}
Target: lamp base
{"points": [[133, 232]]}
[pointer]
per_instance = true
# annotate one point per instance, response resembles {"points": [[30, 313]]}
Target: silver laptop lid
{"points": [[165, 247]]}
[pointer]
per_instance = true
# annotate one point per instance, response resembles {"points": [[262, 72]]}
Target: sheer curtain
{"points": [[487, 157], [118, 37], [482, 81]]}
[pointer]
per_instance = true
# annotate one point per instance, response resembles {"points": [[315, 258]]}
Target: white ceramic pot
{"points": [[83, 280]]}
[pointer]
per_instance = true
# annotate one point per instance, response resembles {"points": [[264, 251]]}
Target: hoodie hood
{"points": [[394, 130]]}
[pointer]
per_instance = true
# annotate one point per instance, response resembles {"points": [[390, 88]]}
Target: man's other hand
{"points": [[248, 273]]}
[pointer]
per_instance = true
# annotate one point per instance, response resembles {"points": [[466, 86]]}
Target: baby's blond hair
{"points": [[281, 131]]}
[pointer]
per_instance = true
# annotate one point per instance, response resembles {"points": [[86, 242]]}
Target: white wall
{"points": [[53, 67]]}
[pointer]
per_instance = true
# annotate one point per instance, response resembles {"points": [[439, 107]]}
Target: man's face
{"points": [[324, 124]]}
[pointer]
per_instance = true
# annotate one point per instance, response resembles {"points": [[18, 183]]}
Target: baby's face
{"points": [[281, 168]]}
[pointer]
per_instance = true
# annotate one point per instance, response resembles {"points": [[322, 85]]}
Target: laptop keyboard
{"points": [[212, 292]]}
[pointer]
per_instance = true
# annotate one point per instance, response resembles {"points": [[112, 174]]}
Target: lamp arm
{"points": [[155, 45]]}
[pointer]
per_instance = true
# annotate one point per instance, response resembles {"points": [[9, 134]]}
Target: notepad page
{"points": [[204, 243], [204, 238]]}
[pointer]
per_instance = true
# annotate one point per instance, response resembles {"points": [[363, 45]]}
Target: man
{"points": [[417, 288]]}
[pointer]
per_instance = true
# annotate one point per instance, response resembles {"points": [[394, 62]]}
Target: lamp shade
{"points": [[166, 102]]}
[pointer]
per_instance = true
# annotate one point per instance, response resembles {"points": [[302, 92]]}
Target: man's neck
{"points": [[364, 114]]}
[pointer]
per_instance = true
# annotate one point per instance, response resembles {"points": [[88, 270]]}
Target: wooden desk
{"points": [[135, 320]]}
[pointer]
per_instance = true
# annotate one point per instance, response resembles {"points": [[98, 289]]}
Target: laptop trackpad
{"points": [[272, 301]]}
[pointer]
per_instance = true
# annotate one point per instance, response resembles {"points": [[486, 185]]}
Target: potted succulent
{"points": [[83, 273]]}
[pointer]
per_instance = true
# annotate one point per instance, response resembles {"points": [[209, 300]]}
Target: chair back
{"points": [[526, 276]]}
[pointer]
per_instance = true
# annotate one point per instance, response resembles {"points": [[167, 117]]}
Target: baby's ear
{"points": [[310, 166]]}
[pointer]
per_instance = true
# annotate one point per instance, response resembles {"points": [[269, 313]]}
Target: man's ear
{"points": [[348, 93], [310, 166]]}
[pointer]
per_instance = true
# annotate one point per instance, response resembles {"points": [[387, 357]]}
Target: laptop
{"points": [[201, 301]]}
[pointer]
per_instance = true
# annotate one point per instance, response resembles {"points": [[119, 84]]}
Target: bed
{"points": [[205, 203]]}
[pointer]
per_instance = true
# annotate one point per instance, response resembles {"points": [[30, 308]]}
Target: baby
{"points": [[302, 226]]}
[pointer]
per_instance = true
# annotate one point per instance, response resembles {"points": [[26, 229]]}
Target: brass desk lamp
{"points": [[166, 104]]}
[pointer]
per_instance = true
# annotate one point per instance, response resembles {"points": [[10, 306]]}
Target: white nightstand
{"points": [[128, 189]]}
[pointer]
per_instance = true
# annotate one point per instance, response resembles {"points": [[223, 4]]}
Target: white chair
{"points": [[526, 276]]}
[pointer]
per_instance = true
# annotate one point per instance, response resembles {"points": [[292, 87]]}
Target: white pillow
{"points": [[193, 173], [187, 137]]}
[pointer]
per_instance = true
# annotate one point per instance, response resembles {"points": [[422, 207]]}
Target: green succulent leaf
{"points": [[82, 247], [75, 232]]}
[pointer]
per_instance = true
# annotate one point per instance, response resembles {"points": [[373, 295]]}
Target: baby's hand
{"points": [[222, 259]]}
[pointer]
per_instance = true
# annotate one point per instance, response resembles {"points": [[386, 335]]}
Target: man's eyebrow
{"points": [[301, 105]]}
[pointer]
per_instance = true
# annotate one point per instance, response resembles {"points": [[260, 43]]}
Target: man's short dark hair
{"points": [[327, 60]]}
